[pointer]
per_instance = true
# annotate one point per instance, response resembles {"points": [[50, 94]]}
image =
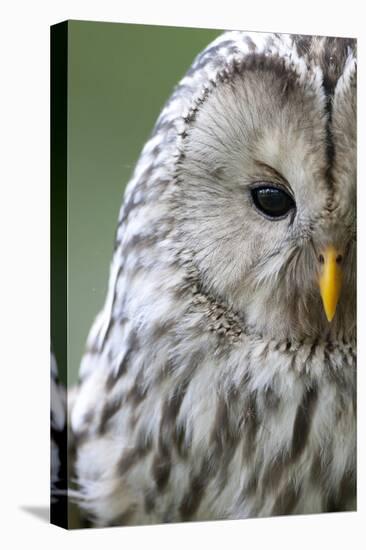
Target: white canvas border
{"points": [[25, 271]]}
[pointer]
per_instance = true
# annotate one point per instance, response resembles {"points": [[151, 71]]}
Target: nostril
{"points": [[321, 258], [339, 258]]}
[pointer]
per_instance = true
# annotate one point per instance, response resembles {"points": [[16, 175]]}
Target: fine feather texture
{"points": [[212, 385]]}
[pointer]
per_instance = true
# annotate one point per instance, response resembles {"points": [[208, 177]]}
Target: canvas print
{"points": [[203, 263]]}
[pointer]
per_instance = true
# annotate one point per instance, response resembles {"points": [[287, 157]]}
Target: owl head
{"points": [[253, 162], [267, 185]]}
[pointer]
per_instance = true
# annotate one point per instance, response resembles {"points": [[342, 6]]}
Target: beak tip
{"points": [[330, 316], [329, 310]]}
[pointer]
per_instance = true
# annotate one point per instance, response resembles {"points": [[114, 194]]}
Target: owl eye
{"points": [[272, 201]]}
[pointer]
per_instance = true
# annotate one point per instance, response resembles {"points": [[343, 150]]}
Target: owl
{"points": [[219, 379]]}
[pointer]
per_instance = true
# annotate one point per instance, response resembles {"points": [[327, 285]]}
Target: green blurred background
{"points": [[119, 77]]}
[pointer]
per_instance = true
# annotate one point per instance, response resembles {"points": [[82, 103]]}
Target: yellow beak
{"points": [[330, 280]]}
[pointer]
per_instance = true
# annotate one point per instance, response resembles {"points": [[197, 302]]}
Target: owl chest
{"points": [[268, 436], [245, 435]]}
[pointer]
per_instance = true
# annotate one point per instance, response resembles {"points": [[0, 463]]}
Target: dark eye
{"points": [[272, 201]]}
